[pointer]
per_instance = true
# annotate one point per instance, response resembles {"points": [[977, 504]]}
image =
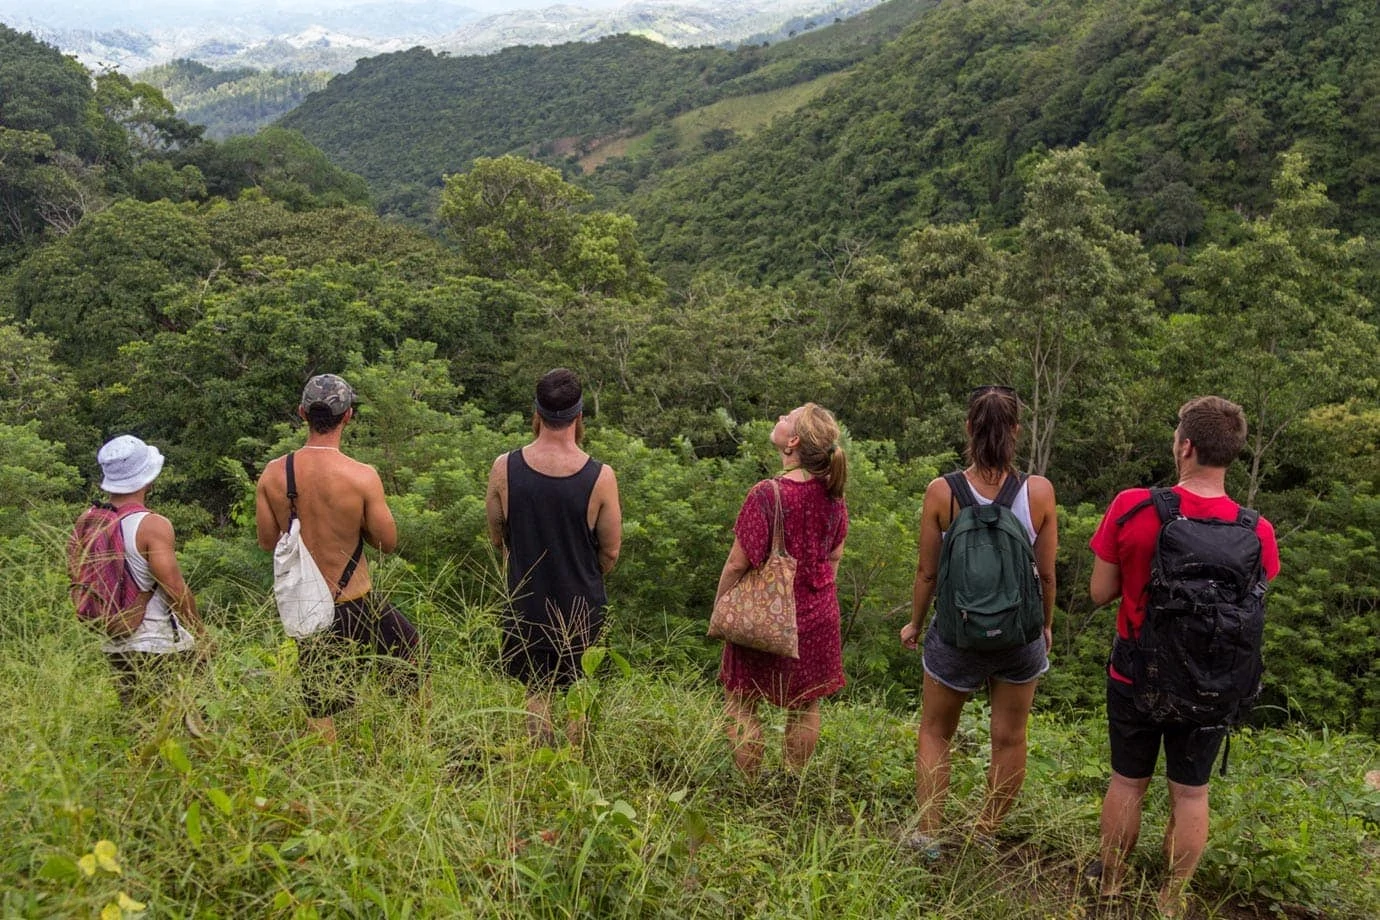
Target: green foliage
{"points": [[110, 282], [1290, 328], [231, 102], [1323, 626], [550, 102], [280, 164], [1186, 112]]}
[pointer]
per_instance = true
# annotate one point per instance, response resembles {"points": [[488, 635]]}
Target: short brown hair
{"points": [[1216, 428]]}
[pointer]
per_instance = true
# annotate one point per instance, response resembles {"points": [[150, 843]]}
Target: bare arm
{"points": [[380, 530], [927, 563], [1105, 584], [496, 503], [155, 541], [265, 521], [1045, 515], [608, 525], [735, 567]]}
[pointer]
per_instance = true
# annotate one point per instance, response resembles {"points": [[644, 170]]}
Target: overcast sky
{"points": [[150, 14], [165, 9]]}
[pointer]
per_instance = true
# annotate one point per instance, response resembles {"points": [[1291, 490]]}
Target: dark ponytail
{"points": [[993, 416]]}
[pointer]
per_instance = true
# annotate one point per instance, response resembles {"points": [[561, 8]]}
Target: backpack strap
{"points": [[1168, 507], [1166, 502], [1247, 517], [1009, 490], [960, 492]]}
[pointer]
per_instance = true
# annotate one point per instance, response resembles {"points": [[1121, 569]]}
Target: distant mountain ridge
{"points": [[335, 40], [403, 120]]}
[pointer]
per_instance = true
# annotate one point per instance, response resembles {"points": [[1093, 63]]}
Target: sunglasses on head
{"points": [[991, 388]]}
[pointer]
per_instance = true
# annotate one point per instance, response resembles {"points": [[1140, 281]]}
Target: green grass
{"points": [[447, 811], [743, 115]]}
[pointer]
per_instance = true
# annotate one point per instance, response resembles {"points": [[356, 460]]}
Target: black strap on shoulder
{"points": [[1247, 517], [1009, 490], [1135, 509], [1166, 502], [291, 491], [959, 491]]}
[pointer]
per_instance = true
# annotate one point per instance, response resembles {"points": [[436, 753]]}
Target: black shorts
{"points": [[363, 628], [1189, 750], [547, 656]]}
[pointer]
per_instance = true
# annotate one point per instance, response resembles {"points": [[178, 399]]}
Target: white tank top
{"points": [[160, 632], [1020, 507]]}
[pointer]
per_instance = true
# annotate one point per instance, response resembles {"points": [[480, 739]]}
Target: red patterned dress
{"points": [[815, 526]]}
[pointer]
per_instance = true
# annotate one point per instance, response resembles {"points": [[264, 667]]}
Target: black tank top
{"points": [[553, 553]]}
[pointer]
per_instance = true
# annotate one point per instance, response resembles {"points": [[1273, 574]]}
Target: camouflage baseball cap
{"points": [[330, 391]]}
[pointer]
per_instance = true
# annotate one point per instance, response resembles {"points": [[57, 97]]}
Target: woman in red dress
{"points": [[814, 472]]}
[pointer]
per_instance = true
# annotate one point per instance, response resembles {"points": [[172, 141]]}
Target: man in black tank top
{"points": [[553, 512]]}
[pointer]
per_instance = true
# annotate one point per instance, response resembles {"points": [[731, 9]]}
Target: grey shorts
{"points": [[968, 671]]}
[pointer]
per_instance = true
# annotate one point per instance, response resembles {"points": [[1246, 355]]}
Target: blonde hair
{"points": [[819, 451]]}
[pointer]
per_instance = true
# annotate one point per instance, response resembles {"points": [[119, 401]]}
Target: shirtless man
{"points": [[553, 511], [341, 505]]}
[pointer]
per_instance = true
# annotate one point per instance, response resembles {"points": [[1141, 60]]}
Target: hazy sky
{"points": [[97, 13]]}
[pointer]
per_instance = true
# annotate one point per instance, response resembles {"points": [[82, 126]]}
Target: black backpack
{"points": [[987, 596], [1197, 658]]}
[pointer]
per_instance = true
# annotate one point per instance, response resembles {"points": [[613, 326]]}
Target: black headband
{"points": [[559, 415]]}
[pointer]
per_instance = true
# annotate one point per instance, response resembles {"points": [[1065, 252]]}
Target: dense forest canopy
{"points": [[239, 100], [1186, 110]]}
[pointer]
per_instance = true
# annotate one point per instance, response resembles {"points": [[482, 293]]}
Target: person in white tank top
{"points": [[952, 675], [171, 635]]}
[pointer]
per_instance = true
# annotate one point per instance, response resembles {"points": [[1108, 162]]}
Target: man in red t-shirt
{"points": [[1210, 434]]}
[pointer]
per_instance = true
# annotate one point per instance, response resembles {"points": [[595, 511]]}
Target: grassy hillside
{"points": [[709, 127], [1188, 110], [447, 811], [403, 120]]}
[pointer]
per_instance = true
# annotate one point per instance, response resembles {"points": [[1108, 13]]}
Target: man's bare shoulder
{"points": [[269, 467]]}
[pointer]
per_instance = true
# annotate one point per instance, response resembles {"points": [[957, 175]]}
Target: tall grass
{"points": [[446, 810]]}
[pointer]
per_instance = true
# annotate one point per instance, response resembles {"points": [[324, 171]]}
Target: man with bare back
{"points": [[341, 506], [553, 511]]}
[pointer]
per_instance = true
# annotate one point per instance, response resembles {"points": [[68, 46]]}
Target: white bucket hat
{"points": [[128, 464]]}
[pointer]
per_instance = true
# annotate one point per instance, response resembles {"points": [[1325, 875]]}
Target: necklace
{"points": [[317, 447]]}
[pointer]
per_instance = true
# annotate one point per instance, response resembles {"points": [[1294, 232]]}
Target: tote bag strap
{"points": [[778, 535]]}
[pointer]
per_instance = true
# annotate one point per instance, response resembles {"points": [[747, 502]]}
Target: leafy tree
{"points": [[282, 165], [1281, 325], [111, 281], [509, 216], [32, 474]]}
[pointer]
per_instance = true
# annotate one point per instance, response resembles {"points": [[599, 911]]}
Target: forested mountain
{"points": [[229, 102], [1187, 108], [403, 120]]}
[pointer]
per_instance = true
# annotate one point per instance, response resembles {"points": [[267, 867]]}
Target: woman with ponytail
{"points": [[952, 674], [814, 471]]}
